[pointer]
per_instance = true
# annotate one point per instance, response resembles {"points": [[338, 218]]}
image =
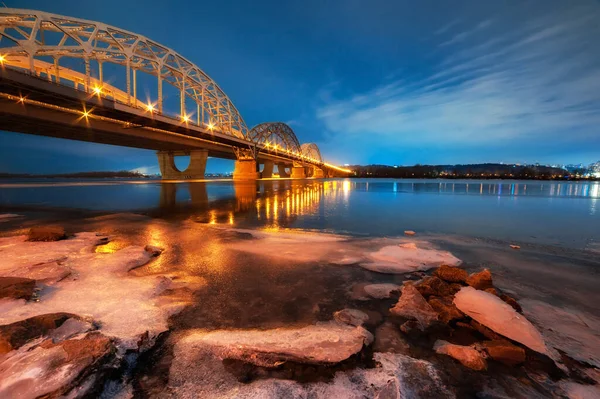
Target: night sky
{"points": [[387, 82]]}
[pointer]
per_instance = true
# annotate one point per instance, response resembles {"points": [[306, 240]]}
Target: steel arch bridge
{"points": [[33, 38], [77, 53], [277, 136], [311, 150]]}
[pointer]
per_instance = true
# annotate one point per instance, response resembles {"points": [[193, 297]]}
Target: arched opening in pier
{"points": [[182, 162]]}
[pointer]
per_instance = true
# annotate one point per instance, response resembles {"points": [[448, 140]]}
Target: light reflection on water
{"points": [[550, 212]]}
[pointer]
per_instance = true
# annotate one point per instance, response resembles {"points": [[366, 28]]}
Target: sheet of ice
{"points": [[389, 256], [408, 258], [99, 287], [48, 370], [17, 252], [329, 342], [579, 391], [572, 331], [299, 246], [40, 375], [497, 315], [7, 216]]}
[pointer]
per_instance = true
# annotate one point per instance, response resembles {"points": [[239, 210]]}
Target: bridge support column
{"points": [[195, 170], [267, 170], [282, 172], [245, 169], [318, 173], [298, 172]]}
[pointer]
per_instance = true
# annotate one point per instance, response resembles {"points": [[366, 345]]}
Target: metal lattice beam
{"points": [[29, 38], [275, 135], [311, 150]]}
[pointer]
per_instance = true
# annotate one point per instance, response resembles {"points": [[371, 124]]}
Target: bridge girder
{"points": [[37, 37], [36, 44]]}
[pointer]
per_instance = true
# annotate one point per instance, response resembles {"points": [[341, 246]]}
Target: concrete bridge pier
{"points": [[298, 172], [246, 169], [195, 170], [267, 171], [282, 172], [318, 173]]}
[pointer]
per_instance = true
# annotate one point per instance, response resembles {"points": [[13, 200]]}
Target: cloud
{"points": [[535, 84], [447, 27], [462, 36]]}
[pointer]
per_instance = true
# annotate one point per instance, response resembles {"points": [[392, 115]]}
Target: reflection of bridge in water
{"points": [[275, 203], [78, 79]]}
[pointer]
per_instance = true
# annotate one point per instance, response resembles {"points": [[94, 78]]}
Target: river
{"points": [[557, 213], [248, 262]]}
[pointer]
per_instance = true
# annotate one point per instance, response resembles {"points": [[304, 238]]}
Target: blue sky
{"points": [[391, 82]]}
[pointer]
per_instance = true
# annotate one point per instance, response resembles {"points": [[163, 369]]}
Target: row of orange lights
{"points": [[150, 108], [298, 154], [185, 118]]}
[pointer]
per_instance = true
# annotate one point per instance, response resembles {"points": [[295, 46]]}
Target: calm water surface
{"points": [[560, 213]]}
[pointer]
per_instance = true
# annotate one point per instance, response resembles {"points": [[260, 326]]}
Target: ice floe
{"points": [[388, 256], [497, 315], [328, 342]]}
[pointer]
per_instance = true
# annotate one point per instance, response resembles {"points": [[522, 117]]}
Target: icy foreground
{"points": [[97, 286], [371, 347]]}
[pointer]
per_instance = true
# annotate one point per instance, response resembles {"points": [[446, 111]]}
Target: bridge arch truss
{"points": [[37, 42], [275, 136], [311, 151]]}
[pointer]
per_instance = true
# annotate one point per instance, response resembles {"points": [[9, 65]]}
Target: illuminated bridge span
{"points": [[84, 80]]}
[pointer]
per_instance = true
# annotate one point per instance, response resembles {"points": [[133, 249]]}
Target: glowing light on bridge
{"points": [[47, 34]]}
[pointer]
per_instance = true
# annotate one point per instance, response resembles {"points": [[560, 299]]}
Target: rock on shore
{"points": [[412, 305], [467, 355]]}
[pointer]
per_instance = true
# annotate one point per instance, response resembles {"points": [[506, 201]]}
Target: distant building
{"points": [[594, 169]]}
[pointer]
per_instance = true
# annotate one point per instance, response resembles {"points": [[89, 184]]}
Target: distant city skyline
{"points": [[384, 83]]}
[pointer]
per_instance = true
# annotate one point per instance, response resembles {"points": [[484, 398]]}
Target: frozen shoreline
{"points": [[138, 293]]}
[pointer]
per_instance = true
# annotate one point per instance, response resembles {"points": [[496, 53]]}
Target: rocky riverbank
{"points": [[88, 314]]}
